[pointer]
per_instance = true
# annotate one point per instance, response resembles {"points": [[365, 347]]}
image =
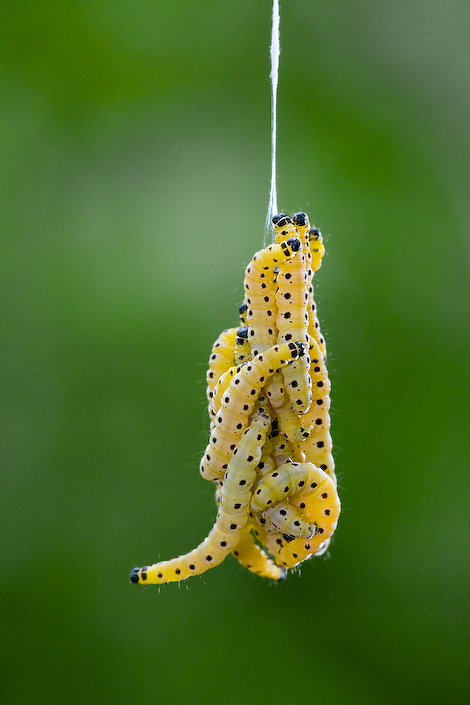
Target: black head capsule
{"points": [[278, 217], [134, 577], [301, 348], [314, 234], [300, 218], [243, 332], [294, 243], [281, 220]]}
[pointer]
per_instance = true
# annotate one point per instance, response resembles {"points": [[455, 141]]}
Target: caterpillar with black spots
{"points": [[259, 287], [220, 359], [292, 319], [232, 516], [317, 445], [312, 243], [313, 493], [238, 402], [252, 556]]}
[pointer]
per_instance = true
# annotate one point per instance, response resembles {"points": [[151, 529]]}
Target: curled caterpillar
{"points": [[232, 516], [313, 493]]}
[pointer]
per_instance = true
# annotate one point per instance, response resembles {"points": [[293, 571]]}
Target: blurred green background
{"points": [[135, 165]]}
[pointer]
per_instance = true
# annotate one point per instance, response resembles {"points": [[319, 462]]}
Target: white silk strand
{"points": [[275, 51]]}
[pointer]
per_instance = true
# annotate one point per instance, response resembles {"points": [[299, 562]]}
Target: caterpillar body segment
{"points": [[286, 481], [298, 384], [231, 520], [287, 519], [293, 428], [317, 251], [242, 350], [237, 405], [275, 390], [221, 387], [251, 556], [302, 224], [317, 445], [284, 228], [260, 292], [292, 318], [220, 360], [318, 503], [263, 263], [242, 311], [241, 475], [314, 250], [282, 450], [317, 248], [221, 357]]}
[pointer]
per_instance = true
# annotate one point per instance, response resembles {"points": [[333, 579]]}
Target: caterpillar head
{"points": [[242, 311], [284, 228], [277, 218], [242, 335], [300, 219]]}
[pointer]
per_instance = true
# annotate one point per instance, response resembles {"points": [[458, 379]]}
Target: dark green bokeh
{"points": [[135, 161]]}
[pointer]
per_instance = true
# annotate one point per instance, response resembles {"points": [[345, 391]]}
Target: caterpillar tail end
{"points": [[139, 575]]}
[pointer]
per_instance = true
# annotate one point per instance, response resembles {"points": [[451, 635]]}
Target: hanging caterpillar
{"points": [[292, 319], [260, 292], [232, 516], [312, 244]]}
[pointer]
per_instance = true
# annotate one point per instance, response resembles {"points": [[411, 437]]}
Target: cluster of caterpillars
{"points": [[269, 452]]}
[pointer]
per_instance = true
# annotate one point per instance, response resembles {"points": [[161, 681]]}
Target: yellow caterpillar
{"points": [[251, 556], [260, 292], [292, 318], [242, 346], [317, 445], [312, 244], [220, 360], [232, 517], [314, 494], [237, 404]]}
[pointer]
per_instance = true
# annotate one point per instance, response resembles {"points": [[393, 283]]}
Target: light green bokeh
{"points": [[134, 148]]}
